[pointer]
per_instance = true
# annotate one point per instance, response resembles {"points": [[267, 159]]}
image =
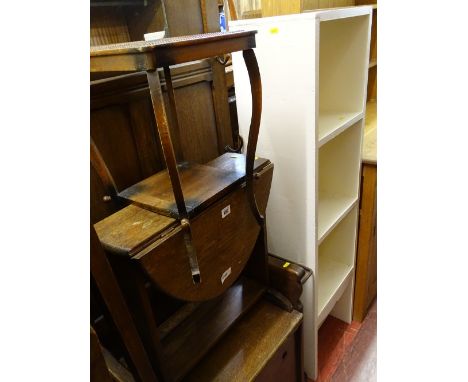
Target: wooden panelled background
{"points": [[122, 120], [245, 8], [317, 4]]}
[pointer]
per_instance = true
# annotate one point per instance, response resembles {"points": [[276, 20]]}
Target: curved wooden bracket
{"points": [[256, 91]]}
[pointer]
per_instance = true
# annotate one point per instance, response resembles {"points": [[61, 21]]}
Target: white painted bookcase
{"points": [[314, 78]]}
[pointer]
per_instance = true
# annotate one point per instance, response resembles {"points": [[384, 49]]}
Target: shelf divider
{"points": [[332, 211], [332, 123]]}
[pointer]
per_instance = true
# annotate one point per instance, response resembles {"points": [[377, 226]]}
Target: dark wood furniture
{"points": [[212, 214], [266, 345], [166, 192], [366, 261], [124, 132], [365, 289], [288, 278]]}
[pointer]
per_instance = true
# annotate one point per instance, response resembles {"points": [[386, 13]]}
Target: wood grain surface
{"points": [[149, 55], [248, 346], [191, 340]]}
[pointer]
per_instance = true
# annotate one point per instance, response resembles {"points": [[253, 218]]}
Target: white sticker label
{"points": [[225, 275], [226, 211]]}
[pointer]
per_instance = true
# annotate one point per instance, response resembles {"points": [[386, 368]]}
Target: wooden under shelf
{"points": [[201, 185], [331, 210], [333, 277], [193, 338], [332, 123], [248, 345]]}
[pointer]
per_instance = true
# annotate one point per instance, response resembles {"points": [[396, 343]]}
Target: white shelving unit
{"points": [[314, 77]]}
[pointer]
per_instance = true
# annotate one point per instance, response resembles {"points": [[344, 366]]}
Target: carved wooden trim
{"points": [[122, 89]]}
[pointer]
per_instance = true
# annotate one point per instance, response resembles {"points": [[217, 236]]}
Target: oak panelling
{"points": [[176, 11], [221, 106], [123, 127], [126, 99], [108, 26], [145, 19], [197, 123], [112, 133], [185, 17], [317, 4], [280, 7], [285, 7], [125, 87], [149, 149]]}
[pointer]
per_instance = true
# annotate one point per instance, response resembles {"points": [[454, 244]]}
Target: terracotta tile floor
{"points": [[348, 352]]}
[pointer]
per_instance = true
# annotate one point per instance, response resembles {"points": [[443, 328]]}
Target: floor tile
{"points": [[348, 352]]}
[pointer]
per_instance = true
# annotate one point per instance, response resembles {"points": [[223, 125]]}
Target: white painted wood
{"points": [[330, 212], [333, 123], [338, 183], [340, 244], [340, 87], [336, 268], [343, 309], [332, 278], [288, 106], [314, 75]]}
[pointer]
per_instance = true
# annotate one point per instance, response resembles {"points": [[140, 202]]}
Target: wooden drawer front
{"points": [[282, 367]]}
